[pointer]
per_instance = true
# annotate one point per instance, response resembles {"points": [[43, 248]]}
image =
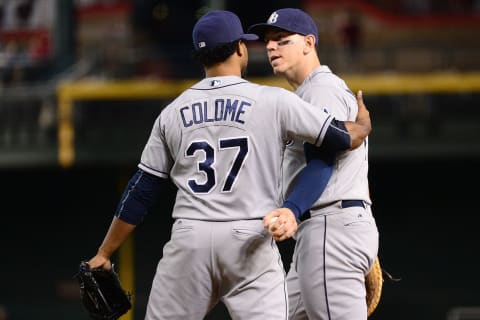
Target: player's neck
{"points": [[223, 69], [298, 75]]}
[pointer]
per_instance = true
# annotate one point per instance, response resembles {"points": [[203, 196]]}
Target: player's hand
{"points": [[363, 116], [283, 227], [100, 261], [361, 128]]}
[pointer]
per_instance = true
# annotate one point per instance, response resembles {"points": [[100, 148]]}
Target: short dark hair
{"points": [[211, 56]]}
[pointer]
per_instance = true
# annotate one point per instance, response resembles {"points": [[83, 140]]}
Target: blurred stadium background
{"points": [[82, 82]]}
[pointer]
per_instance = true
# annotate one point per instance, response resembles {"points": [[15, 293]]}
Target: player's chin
{"points": [[277, 70]]}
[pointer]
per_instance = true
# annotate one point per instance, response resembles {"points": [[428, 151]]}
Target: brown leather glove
{"points": [[373, 285]]}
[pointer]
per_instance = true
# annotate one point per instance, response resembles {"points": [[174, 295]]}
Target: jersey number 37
{"points": [[207, 167]]}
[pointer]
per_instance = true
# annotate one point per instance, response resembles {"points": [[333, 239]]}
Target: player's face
{"points": [[284, 50]]}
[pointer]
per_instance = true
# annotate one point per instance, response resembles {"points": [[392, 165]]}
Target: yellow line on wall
{"points": [[66, 133], [125, 89], [126, 272], [126, 259], [446, 82], [394, 83]]}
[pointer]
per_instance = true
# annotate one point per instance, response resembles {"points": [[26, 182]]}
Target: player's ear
{"points": [[309, 43], [240, 48]]}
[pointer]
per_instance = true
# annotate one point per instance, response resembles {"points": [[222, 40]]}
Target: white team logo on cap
{"points": [[273, 18], [201, 44]]}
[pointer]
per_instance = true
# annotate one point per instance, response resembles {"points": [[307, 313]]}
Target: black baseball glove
{"points": [[101, 292]]}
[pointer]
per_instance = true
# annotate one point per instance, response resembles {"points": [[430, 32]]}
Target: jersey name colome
{"points": [[221, 109]]}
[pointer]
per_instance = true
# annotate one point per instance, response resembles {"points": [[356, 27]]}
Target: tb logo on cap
{"points": [[273, 18]]}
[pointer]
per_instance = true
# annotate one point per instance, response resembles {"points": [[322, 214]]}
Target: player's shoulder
{"points": [[270, 92], [281, 97], [324, 77], [184, 97], [325, 83], [168, 112], [170, 106], [321, 76]]}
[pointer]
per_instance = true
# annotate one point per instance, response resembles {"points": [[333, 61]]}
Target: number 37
{"points": [[207, 166]]}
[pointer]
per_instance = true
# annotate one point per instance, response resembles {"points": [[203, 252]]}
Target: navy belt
{"points": [[343, 204], [353, 203]]}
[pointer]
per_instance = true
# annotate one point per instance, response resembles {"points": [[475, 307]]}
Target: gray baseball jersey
{"points": [[221, 142], [226, 134], [349, 180], [336, 247]]}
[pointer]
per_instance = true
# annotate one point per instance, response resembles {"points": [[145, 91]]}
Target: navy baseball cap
{"points": [[289, 19], [218, 27]]}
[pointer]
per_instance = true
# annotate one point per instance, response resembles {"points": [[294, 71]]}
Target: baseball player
{"points": [[337, 240], [221, 143]]}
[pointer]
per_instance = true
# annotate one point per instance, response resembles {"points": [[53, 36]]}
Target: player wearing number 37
{"points": [[221, 143]]}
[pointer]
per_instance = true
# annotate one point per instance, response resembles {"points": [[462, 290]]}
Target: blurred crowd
{"points": [[429, 6], [26, 32], [151, 38]]}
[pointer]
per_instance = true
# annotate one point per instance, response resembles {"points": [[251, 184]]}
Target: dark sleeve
{"points": [[141, 193], [336, 137], [312, 180]]}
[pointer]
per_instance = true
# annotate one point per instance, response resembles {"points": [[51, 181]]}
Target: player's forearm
{"points": [[312, 180], [117, 233], [311, 183], [141, 193]]}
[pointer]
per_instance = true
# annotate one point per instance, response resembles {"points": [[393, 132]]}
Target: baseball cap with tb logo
{"points": [[289, 19]]}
